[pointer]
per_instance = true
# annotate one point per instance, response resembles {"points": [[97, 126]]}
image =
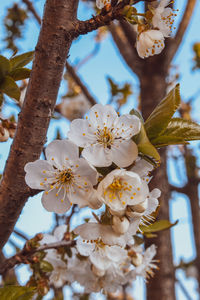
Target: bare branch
{"points": [[25, 255], [79, 82], [185, 292], [174, 44], [182, 190], [50, 56], [104, 18], [127, 52], [32, 10]]}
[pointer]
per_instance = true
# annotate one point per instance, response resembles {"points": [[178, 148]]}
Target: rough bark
{"points": [[50, 56], [192, 193], [162, 285]]}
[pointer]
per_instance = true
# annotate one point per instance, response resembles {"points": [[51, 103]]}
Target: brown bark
{"points": [[162, 285], [192, 193], [50, 56]]}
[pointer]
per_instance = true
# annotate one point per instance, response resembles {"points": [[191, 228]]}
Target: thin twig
{"points": [[185, 292], [19, 233], [32, 10], [26, 254], [79, 82]]}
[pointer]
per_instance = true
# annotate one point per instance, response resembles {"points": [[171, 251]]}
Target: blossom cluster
{"points": [[98, 166], [98, 266], [156, 25]]}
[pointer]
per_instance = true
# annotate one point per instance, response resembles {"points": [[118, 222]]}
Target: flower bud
{"points": [[137, 259], [120, 225], [4, 134], [98, 272]]}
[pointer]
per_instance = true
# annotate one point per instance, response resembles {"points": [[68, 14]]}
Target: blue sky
{"points": [[34, 218]]}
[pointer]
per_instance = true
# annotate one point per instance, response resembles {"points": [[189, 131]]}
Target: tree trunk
{"points": [[192, 193], [50, 56], [162, 285]]}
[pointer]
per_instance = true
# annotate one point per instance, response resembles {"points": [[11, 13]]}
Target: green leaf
{"points": [[157, 226], [159, 119], [137, 114], [21, 60], [178, 131], [20, 73], [4, 67], [16, 293], [10, 88], [45, 266], [144, 145]]}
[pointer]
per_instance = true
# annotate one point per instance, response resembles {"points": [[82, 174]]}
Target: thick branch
{"points": [[50, 56], [25, 255], [32, 10], [174, 44], [79, 82]]}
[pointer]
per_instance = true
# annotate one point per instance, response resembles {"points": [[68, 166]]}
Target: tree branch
{"points": [[79, 82], [32, 10], [104, 18], [182, 190], [173, 44], [50, 56], [125, 50], [26, 254]]}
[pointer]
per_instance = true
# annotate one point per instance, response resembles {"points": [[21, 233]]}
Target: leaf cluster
{"points": [[12, 70], [16, 293], [161, 129]]}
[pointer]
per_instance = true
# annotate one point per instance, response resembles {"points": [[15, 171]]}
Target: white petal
{"points": [[93, 231], [59, 150], [129, 125], [53, 203], [97, 155], [60, 231], [116, 253], [142, 167], [93, 200], [85, 248], [102, 115], [81, 133], [124, 153], [34, 173], [86, 171], [79, 195], [99, 260]]}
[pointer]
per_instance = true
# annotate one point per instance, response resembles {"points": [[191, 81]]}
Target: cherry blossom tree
{"points": [[112, 163]]}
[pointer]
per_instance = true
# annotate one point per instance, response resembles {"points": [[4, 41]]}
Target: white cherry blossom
{"points": [[120, 189], [73, 108], [163, 17], [65, 178], [102, 256], [94, 231], [58, 275], [145, 269], [106, 137], [150, 42]]}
